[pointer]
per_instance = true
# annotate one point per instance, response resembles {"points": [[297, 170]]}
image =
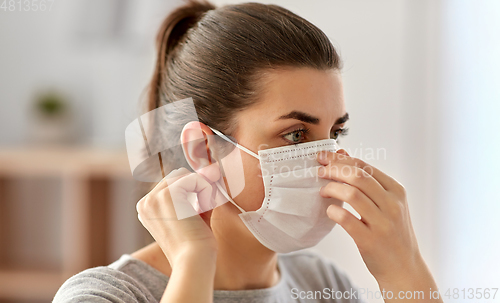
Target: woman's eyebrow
{"points": [[307, 118], [342, 119]]}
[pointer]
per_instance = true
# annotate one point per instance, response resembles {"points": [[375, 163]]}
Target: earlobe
{"points": [[195, 145]]}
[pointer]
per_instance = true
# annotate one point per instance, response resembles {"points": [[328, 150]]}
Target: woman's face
{"points": [[297, 105]]}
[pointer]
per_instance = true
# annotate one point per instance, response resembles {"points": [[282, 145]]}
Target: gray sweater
{"points": [[305, 277]]}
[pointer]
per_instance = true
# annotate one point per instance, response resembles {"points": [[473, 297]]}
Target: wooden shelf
{"points": [[29, 285], [85, 174], [57, 160]]}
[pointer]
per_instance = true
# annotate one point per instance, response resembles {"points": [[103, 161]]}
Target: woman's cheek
{"points": [[252, 195], [235, 170], [243, 176]]}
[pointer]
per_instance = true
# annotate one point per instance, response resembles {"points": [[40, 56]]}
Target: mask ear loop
{"points": [[235, 144], [229, 198], [222, 190]]}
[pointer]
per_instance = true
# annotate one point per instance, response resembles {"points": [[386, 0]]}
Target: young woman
{"points": [[265, 77]]}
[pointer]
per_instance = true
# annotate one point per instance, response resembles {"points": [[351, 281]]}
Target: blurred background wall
{"points": [[421, 82]]}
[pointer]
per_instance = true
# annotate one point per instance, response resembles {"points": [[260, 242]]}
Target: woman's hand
{"points": [[189, 243], [384, 234], [157, 213]]}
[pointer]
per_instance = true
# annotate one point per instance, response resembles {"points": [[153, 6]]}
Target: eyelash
{"points": [[305, 131]]}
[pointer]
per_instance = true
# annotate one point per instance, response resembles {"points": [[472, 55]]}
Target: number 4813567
{"points": [[26, 5], [471, 293]]}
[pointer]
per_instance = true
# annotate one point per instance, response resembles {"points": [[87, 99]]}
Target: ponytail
{"points": [[171, 32]]}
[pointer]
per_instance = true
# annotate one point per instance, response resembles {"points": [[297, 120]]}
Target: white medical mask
{"points": [[293, 214]]}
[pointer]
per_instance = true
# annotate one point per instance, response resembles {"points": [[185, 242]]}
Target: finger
{"points": [[167, 180], [386, 181], [357, 177], [197, 184], [354, 227], [366, 208], [175, 175]]}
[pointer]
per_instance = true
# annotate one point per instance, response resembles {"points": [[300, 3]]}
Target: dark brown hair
{"points": [[218, 55]]}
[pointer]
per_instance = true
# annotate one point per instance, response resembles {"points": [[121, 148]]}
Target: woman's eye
{"points": [[298, 135], [295, 136], [338, 132]]}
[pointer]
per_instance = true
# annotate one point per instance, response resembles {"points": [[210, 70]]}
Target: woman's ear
{"points": [[196, 138]]}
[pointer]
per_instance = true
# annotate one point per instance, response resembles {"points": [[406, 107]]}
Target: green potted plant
{"points": [[51, 118]]}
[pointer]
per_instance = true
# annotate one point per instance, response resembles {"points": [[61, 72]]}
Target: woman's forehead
{"points": [[318, 93]]}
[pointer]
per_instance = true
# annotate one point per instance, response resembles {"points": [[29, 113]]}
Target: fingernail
{"points": [[320, 189], [343, 151]]}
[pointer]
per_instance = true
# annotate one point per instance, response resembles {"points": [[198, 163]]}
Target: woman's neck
{"points": [[242, 267], [237, 268]]}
